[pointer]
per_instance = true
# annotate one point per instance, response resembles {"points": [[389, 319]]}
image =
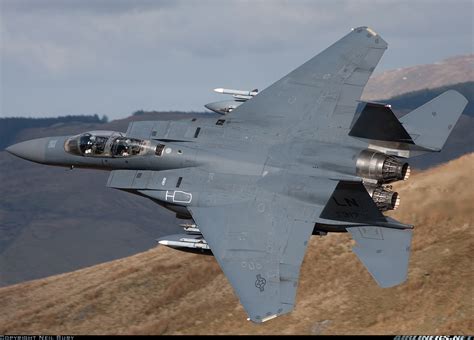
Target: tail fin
{"points": [[377, 122], [430, 125]]}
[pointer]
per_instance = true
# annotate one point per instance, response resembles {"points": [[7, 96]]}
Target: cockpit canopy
{"points": [[104, 144]]}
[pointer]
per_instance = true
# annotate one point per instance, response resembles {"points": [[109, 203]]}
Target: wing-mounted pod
{"points": [[223, 107], [238, 94], [187, 243], [227, 106], [191, 241]]}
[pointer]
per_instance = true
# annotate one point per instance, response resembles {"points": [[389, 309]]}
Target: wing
{"points": [[143, 129], [174, 130], [323, 92], [259, 245]]}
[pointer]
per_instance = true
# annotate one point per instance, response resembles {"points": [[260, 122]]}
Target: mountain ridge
{"points": [[392, 83]]}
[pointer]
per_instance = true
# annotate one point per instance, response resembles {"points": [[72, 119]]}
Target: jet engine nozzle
{"points": [[384, 198], [385, 169]]}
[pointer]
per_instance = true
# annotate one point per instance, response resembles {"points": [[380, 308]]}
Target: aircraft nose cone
{"points": [[33, 150]]}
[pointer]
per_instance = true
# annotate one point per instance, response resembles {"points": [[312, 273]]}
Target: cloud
{"points": [[103, 7], [62, 43]]}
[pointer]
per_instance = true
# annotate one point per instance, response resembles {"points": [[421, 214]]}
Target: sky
{"points": [[113, 57]]}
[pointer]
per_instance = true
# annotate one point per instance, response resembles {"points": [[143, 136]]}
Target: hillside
{"points": [[165, 291], [388, 84]]}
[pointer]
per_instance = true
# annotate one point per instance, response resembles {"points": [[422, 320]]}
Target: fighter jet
{"points": [[303, 157]]}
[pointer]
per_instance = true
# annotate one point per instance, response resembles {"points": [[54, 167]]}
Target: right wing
{"points": [[322, 93]]}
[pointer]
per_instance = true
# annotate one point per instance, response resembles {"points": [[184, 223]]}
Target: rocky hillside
{"points": [[163, 291], [459, 69]]}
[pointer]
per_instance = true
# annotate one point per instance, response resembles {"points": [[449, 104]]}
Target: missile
{"points": [[188, 225], [237, 92], [191, 228], [184, 244]]}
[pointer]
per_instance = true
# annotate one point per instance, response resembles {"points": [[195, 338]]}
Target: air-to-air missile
{"points": [[227, 106]]}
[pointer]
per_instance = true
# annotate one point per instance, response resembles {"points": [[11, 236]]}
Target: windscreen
{"points": [[104, 144]]}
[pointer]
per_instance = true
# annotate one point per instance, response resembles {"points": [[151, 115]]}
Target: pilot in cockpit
{"points": [[89, 145], [127, 147], [93, 145], [121, 148]]}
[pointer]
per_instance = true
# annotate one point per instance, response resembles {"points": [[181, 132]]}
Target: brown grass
{"points": [[163, 291]]}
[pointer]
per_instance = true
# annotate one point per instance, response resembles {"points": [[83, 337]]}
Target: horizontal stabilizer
{"points": [[385, 252], [430, 124]]}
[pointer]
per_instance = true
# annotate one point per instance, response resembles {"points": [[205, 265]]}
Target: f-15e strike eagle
{"points": [[302, 157]]}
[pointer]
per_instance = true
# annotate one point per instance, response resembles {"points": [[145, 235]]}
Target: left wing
{"points": [[172, 130], [260, 245], [323, 93]]}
